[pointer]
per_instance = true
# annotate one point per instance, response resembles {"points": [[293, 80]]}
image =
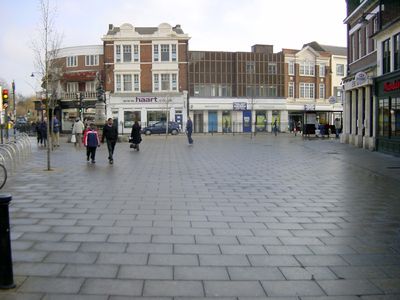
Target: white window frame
{"points": [[174, 82], [156, 82], [127, 55], [163, 80], [322, 70], [321, 91], [307, 68], [72, 61], [91, 60], [136, 83], [118, 83], [291, 90], [307, 90], [125, 86], [118, 57], [174, 52], [90, 86], [136, 53], [291, 68], [72, 87], [156, 53], [340, 70], [165, 48]]}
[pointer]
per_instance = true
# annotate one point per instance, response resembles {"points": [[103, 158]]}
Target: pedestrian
{"points": [[77, 129], [338, 127], [91, 142], [56, 132], [275, 127], [38, 132], [189, 130], [110, 133], [299, 129], [43, 132], [136, 136]]}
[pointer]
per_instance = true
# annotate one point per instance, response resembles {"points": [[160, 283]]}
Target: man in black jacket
{"points": [[110, 133]]}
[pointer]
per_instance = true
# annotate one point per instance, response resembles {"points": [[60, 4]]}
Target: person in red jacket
{"points": [[91, 141]]}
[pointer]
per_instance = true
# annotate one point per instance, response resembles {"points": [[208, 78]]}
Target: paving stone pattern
{"points": [[230, 218]]}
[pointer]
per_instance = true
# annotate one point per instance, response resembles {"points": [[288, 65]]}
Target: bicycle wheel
{"points": [[3, 175]]}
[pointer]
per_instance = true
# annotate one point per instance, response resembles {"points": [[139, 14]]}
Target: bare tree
{"points": [[46, 48]]}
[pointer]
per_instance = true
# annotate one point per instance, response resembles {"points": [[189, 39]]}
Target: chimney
{"points": [[110, 26]]}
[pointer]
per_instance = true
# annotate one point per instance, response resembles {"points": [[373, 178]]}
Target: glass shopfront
{"points": [[388, 110], [130, 117], [226, 121], [261, 120], [155, 116]]}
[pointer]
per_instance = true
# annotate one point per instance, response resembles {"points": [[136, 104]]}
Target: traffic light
{"points": [[4, 97]]}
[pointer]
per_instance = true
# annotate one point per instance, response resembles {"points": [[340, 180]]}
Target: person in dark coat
{"points": [[110, 134], [135, 135], [189, 130], [43, 132]]}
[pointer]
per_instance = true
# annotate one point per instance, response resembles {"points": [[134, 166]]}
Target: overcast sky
{"points": [[223, 25]]}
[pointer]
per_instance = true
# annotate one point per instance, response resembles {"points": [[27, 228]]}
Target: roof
{"points": [[334, 50], [144, 30]]}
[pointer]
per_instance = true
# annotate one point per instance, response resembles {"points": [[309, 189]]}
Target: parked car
{"points": [[160, 128]]}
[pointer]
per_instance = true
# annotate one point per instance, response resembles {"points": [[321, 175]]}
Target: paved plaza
{"points": [[230, 217]]}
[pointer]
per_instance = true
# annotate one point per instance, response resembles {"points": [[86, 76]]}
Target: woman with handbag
{"points": [[135, 136]]}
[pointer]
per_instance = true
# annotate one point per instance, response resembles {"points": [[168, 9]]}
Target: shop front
{"points": [[387, 90], [147, 110], [237, 115]]}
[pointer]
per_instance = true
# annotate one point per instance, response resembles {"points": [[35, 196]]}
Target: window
{"points": [[321, 91], [127, 53], [271, 91], [271, 68], [396, 52], [322, 70], [165, 82], [173, 55], [174, 82], [291, 67], [136, 53], [155, 53], [386, 56], [359, 54], [353, 48], [72, 61], [307, 68], [164, 52], [340, 70], [118, 53], [127, 82], [72, 87], [91, 60], [291, 90], [307, 90], [136, 86], [156, 83], [90, 86], [118, 87]]}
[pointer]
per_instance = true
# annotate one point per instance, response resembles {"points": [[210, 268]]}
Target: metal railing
{"points": [[15, 151]]}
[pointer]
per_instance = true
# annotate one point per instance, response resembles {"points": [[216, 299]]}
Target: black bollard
{"points": [[6, 270]]}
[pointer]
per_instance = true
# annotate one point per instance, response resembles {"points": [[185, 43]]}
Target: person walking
{"points": [[110, 133], [56, 132], [43, 132], [275, 127], [338, 127], [91, 141], [189, 130], [135, 135], [77, 129]]}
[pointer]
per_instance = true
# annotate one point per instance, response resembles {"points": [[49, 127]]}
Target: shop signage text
{"points": [[239, 105], [143, 100], [391, 86]]}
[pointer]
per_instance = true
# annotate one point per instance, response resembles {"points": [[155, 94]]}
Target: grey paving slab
{"points": [[208, 220]]}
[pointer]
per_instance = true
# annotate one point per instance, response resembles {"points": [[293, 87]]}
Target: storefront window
{"points": [[130, 117], [155, 116], [261, 120], [226, 121], [395, 116], [383, 119]]}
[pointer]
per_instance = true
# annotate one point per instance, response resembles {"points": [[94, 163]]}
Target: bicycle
{"points": [[3, 175]]}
